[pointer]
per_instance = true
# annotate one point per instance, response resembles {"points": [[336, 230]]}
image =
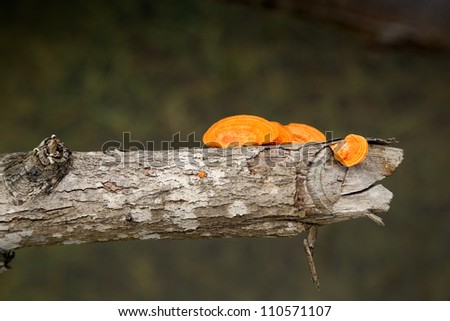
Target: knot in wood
{"points": [[29, 175], [319, 183], [52, 150]]}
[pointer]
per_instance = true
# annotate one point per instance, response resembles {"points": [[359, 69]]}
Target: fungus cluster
{"points": [[248, 130]]}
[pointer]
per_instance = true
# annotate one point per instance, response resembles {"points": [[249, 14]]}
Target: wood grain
{"points": [[242, 192]]}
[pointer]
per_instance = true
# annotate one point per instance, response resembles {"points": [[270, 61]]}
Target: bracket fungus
{"points": [[351, 151], [240, 130], [303, 133], [245, 130], [285, 135]]}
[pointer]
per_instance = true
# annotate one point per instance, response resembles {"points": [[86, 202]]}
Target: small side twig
{"points": [[6, 256], [308, 244]]}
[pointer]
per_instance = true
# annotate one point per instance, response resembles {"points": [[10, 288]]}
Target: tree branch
{"points": [[186, 193]]}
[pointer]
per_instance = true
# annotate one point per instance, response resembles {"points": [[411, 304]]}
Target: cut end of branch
{"points": [[329, 192]]}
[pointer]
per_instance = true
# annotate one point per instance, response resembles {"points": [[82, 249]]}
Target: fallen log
{"points": [[54, 196]]}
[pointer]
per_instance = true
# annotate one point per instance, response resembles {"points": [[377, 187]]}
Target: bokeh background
{"points": [[89, 71]]}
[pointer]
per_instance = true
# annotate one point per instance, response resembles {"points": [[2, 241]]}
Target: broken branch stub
{"points": [[241, 192], [29, 175]]}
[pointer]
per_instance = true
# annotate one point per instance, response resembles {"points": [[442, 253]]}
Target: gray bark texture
{"points": [[184, 194]]}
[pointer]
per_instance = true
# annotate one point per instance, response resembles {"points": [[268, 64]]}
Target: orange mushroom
{"points": [[240, 130], [304, 133], [351, 151], [285, 135]]}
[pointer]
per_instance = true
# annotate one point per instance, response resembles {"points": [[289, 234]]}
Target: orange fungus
{"points": [[351, 151], [303, 133], [285, 135], [240, 130]]}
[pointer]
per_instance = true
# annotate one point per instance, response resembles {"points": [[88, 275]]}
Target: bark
{"points": [[184, 194]]}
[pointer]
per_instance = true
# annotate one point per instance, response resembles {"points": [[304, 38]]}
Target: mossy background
{"points": [[90, 70]]}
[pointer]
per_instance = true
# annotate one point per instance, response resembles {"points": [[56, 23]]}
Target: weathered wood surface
{"points": [[251, 191]]}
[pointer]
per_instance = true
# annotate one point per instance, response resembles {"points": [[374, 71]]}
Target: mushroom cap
{"points": [[351, 151], [240, 130], [285, 135], [303, 133]]}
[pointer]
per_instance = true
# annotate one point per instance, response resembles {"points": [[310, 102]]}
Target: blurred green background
{"points": [[88, 71]]}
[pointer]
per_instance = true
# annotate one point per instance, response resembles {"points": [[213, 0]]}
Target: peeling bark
{"points": [[196, 193]]}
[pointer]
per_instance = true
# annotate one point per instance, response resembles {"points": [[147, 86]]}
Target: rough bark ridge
{"points": [[184, 194]]}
